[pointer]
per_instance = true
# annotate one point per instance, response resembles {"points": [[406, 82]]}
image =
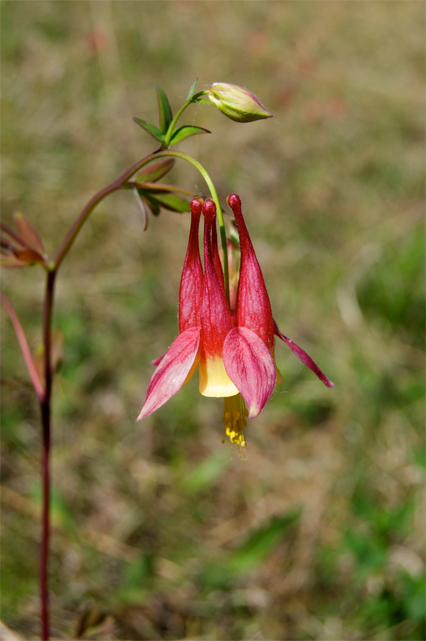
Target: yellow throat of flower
{"points": [[235, 419]]}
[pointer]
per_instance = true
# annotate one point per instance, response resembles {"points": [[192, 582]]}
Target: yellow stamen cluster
{"points": [[235, 419]]}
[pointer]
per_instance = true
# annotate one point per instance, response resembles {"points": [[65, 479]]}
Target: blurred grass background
{"points": [[158, 532]]}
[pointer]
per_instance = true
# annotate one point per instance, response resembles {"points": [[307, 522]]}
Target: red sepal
{"points": [[304, 357], [191, 284], [253, 308]]}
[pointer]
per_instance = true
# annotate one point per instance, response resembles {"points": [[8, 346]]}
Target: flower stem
{"points": [[170, 130], [215, 198], [167, 140]]}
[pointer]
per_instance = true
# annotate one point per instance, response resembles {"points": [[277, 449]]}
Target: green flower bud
{"points": [[237, 103]]}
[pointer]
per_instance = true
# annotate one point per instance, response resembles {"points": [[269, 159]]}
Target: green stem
{"points": [[170, 131], [167, 140], [215, 198]]}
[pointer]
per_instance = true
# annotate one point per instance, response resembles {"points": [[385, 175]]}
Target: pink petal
{"points": [[304, 357], [170, 375], [250, 366]]}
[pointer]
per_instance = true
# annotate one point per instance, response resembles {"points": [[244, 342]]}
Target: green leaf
{"points": [[173, 203], [152, 173], [164, 109], [263, 541], [150, 201], [151, 129], [185, 131], [191, 91], [167, 201]]}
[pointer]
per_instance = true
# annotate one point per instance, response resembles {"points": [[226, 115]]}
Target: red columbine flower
{"points": [[235, 349]]}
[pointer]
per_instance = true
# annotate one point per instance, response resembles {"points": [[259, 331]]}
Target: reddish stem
{"points": [[45, 408], [45, 521], [78, 224]]}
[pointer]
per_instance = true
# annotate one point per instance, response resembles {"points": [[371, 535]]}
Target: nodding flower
{"points": [[234, 349]]}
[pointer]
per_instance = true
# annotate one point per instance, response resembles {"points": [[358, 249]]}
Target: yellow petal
{"points": [[214, 381]]}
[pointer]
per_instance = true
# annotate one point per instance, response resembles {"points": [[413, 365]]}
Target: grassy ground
{"points": [[159, 533]]}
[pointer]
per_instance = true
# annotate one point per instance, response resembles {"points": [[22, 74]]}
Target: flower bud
{"points": [[237, 103]]}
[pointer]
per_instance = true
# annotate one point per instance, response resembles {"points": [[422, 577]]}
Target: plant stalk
{"points": [[45, 408], [45, 520]]}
